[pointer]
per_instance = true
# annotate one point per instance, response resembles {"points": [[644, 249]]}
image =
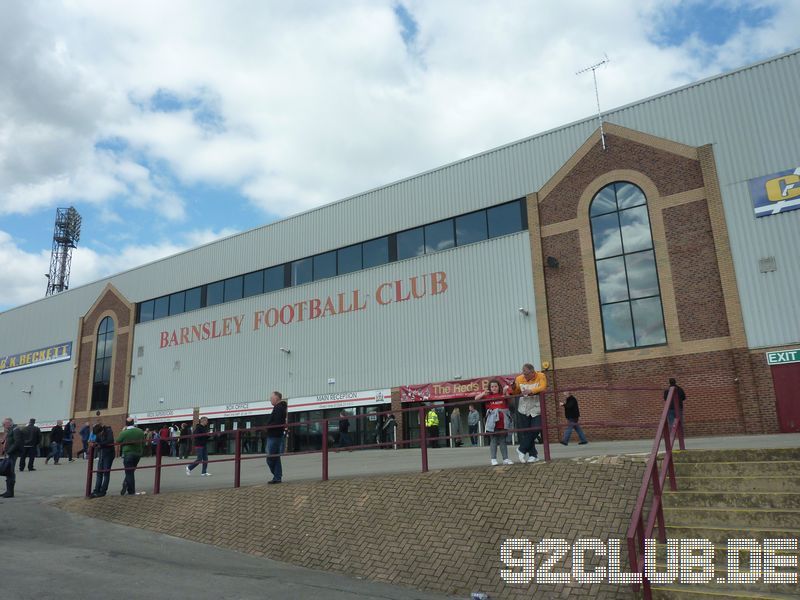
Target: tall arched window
{"points": [[630, 299], [102, 364]]}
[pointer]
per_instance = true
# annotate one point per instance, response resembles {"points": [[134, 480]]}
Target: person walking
{"points": [[56, 439], [11, 446], [473, 419], [432, 426], [681, 398], [344, 431], [498, 420], [390, 429], [131, 441], [276, 427], [528, 386], [31, 438], [201, 435], [572, 415], [455, 427], [84, 432], [69, 434], [185, 441], [104, 438]]}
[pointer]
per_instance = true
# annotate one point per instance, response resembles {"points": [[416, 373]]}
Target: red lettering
{"points": [[378, 295], [414, 287], [184, 335], [398, 287], [214, 332], [206, 331], [196, 335], [238, 322], [257, 319], [438, 283], [355, 302], [328, 307], [226, 326], [290, 318], [173, 339], [342, 310], [313, 308], [271, 317], [300, 307]]}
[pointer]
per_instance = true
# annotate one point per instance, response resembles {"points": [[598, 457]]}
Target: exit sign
{"points": [[782, 358]]}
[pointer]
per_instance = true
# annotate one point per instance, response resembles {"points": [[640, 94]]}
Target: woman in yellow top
{"points": [[528, 386]]}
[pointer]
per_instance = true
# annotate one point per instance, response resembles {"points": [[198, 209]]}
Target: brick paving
{"points": [[439, 531]]}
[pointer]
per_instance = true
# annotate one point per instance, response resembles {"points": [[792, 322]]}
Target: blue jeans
{"points": [[275, 446], [103, 464], [473, 429], [55, 452], [344, 439], [130, 462], [202, 457], [568, 433]]}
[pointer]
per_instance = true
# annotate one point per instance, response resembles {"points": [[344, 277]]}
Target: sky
{"points": [[171, 124]]}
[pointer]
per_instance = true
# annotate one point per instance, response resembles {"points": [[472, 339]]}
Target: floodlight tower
{"points": [[65, 237]]}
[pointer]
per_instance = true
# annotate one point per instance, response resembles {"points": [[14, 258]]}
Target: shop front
{"points": [[225, 419]]}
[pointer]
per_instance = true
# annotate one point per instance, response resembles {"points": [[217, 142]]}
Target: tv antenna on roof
{"points": [[593, 68]]}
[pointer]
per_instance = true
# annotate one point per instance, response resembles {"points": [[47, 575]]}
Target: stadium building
{"points": [[666, 248]]}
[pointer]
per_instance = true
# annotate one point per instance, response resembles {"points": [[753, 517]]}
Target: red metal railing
{"points": [[423, 440], [655, 479]]}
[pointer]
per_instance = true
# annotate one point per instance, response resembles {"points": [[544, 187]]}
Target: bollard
{"points": [[89, 469], [325, 450], [237, 461], [157, 478]]}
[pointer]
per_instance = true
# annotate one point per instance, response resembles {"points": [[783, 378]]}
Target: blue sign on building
{"points": [[776, 193]]}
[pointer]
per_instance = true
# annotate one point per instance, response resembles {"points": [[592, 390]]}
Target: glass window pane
{"points": [[349, 259], [635, 225], [629, 195], [642, 278], [611, 280], [253, 284], [376, 252], [98, 370], [100, 350], [325, 265], [603, 202], [605, 236], [410, 243], [214, 293], [233, 288], [105, 325], [301, 271], [648, 322], [617, 326], [176, 303], [274, 278], [161, 308], [439, 236], [471, 228], [146, 311], [504, 219], [107, 370], [192, 299]]}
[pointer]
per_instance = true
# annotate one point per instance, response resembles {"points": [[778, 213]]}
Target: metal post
{"points": [[237, 460], [423, 439], [89, 469], [545, 437], [157, 478], [325, 450]]}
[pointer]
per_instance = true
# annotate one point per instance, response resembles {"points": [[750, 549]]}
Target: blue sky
{"points": [[166, 131]]}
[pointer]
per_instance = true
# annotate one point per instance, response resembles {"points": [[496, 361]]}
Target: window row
{"points": [[477, 226]]}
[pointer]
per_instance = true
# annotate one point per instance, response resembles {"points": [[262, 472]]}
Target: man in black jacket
{"points": [[201, 447], [681, 398], [572, 414], [56, 439], [276, 429], [106, 451], [32, 435], [11, 446]]}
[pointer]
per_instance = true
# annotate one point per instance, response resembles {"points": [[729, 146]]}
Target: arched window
{"points": [[630, 299], [102, 364]]}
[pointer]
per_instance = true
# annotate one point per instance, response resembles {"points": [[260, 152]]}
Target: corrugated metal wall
{"points": [[474, 328]]}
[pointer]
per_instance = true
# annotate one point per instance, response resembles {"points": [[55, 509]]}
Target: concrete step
{"points": [[720, 535], [739, 518], [744, 455], [698, 499], [718, 592], [785, 468], [739, 484], [719, 582]]}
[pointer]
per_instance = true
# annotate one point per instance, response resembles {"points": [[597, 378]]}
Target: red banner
{"points": [[450, 390]]}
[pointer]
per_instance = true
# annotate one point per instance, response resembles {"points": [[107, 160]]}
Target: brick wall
{"points": [[438, 531]]}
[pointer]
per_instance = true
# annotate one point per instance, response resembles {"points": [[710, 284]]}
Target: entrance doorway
{"points": [[786, 381]]}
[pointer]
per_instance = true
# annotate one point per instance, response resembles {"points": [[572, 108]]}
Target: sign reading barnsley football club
{"points": [[387, 293], [776, 193], [36, 358], [784, 357]]}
